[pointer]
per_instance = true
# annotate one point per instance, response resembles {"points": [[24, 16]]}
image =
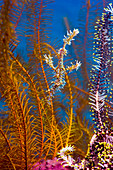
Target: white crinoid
{"points": [[109, 8], [68, 160]]}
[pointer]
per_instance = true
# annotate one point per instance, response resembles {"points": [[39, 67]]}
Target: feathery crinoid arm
{"points": [[100, 149], [101, 145], [100, 71]]}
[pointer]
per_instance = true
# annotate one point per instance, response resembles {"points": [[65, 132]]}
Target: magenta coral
{"points": [[49, 164]]}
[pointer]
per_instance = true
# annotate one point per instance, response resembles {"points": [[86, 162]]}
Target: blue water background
{"points": [[61, 9]]}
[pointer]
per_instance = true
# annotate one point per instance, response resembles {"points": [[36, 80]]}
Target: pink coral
{"points": [[49, 164]]}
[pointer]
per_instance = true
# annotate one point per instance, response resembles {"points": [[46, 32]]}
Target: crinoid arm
{"points": [[100, 149]]}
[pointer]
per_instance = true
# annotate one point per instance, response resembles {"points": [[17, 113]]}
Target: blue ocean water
{"points": [[72, 11], [62, 9]]}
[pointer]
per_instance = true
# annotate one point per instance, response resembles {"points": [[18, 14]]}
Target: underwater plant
{"points": [[100, 150]]}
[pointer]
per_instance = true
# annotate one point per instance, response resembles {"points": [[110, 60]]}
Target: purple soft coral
{"points": [[49, 164]]}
